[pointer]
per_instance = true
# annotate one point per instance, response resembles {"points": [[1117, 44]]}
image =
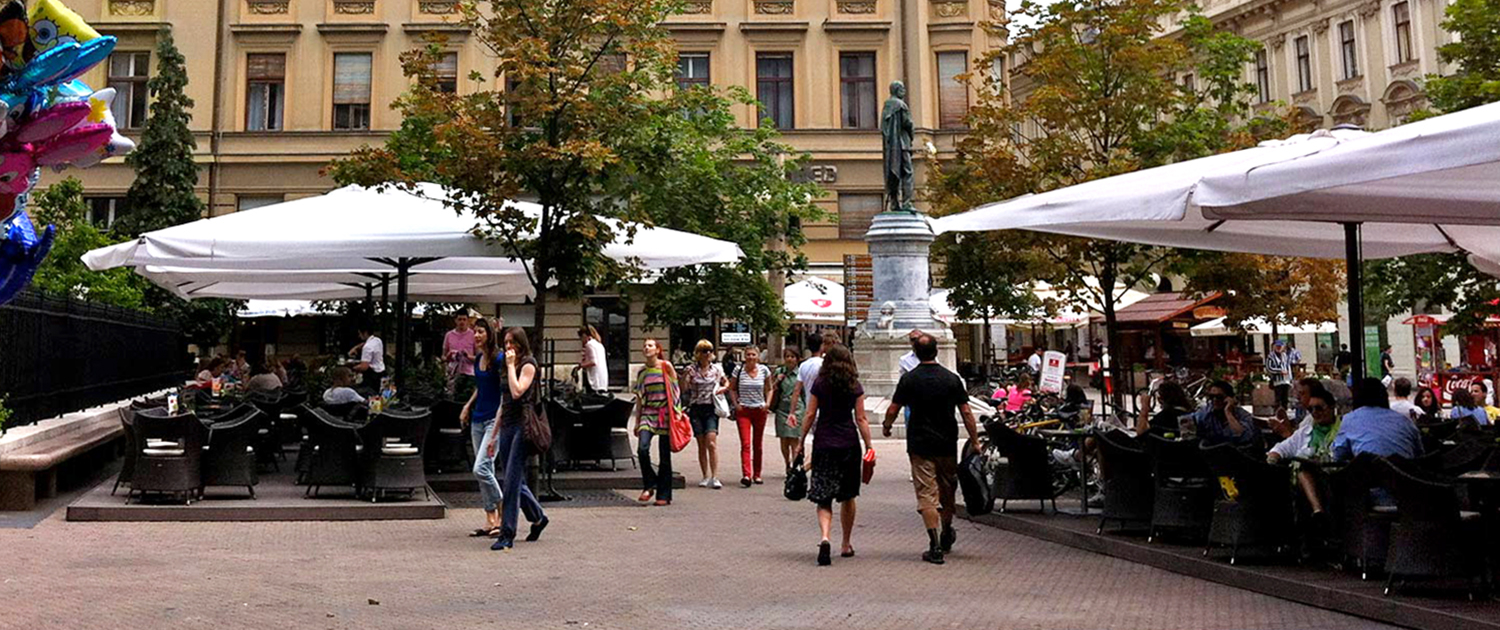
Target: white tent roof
{"points": [[354, 231], [1166, 205], [815, 300], [1068, 315], [1256, 326], [255, 309]]}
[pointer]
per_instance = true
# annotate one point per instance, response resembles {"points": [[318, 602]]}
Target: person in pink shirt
{"points": [[458, 352], [1019, 394]]}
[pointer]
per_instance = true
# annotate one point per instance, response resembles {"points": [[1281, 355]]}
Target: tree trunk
{"points": [[539, 311], [1112, 336], [987, 352]]}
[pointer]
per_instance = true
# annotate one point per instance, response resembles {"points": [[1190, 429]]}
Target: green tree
{"points": [[707, 176], [581, 80], [1104, 99], [1284, 291], [63, 273], [166, 177], [1474, 52]]}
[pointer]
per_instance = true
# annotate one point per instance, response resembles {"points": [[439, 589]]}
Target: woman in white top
{"points": [[593, 364], [750, 388]]}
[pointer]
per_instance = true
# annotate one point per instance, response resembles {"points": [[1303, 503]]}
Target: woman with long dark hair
{"points": [[520, 390], [1172, 403], [1427, 404], [479, 415], [837, 403], [656, 398]]}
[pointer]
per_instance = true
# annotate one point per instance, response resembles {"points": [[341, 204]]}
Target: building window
{"points": [[265, 76], [692, 70], [251, 202], [513, 103], [1190, 83], [1402, 12], [351, 91], [1346, 46], [1304, 65], [953, 94], [773, 86], [857, 89], [445, 73], [128, 74], [104, 211], [856, 210], [1262, 77]]}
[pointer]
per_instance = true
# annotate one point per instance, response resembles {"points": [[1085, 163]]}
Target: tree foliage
{"points": [[62, 273], [564, 129], [163, 192], [1104, 98], [1284, 291], [1474, 53]]}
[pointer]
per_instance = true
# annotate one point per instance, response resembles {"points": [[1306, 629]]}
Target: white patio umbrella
{"points": [[372, 234], [1425, 183], [1220, 327]]}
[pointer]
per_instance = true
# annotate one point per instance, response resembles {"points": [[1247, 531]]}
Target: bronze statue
{"points": [[896, 138]]}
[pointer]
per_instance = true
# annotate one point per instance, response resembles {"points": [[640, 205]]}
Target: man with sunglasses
{"points": [[1223, 420]]}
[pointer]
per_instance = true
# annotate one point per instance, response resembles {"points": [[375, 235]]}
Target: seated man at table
{"points": [[341, 388], [1312, 441], [1373, 428], [1223, 420]]}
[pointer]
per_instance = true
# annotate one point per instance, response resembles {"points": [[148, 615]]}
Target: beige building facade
{"points": [[283, 87]]}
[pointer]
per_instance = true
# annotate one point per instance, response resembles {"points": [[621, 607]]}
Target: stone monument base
{"points": [[878, 354]]}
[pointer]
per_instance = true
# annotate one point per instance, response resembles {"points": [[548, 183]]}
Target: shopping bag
{"points": [[682, 431], [796, 481], [978, 484], [869, 466]]}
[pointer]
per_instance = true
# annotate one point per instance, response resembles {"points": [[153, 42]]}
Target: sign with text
{"points": [[1053, 365]]}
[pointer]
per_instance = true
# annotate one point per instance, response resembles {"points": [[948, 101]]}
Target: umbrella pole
{"points": [[1354, 272], [403, 317]]}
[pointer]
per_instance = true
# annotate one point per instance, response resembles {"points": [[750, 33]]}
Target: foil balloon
{"points": [[73, 144], [21, 251], [101, 113]]}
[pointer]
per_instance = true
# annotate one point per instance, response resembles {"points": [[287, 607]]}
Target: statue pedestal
{"points": [[900, 244]]}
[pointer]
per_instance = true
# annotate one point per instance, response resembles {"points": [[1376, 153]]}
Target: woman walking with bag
{"points": [[656, 398], [837, 402], [783, 390], [520, 390], [752, 386], [479, 414], [701, 383]]}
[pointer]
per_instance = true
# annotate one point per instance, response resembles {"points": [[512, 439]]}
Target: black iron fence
{"points": [[59, 355]]}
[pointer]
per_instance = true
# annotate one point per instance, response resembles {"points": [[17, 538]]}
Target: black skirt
{"points": [[836, 474]]}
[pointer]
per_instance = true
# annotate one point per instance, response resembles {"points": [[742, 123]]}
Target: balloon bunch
{"points": [[47, 118]]}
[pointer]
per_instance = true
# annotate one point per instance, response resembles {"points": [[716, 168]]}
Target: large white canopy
{"points": [[815, 300], [1219, 327], [1068, 314], [1411, 187], [257, 309], [354, 231]]}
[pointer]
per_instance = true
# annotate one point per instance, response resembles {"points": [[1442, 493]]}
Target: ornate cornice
{"points": [[354, 7], [775, 7], [698, 7], [856, 7], [950, 8], [132, 8], [438, 7], [268, 7]]}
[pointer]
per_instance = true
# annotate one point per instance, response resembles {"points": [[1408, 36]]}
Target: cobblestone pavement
{"points": [[732, 558]]}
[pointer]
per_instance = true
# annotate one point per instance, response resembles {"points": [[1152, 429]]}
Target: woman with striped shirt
{"points": [[751, 386], [656, 396]]}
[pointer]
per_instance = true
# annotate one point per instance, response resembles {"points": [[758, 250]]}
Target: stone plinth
{"points": [[878, 355], [900, 245]]}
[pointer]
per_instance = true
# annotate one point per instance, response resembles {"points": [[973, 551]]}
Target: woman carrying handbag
{"points": [[656, 393], [520, 391]]}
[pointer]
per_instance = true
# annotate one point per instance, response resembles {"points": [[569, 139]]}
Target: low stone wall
{"points": [[79, 421]]}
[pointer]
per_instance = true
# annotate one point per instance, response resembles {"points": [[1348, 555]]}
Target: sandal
{"points": [[646, 496], [662, 502], [848, 553], [485, 533]]}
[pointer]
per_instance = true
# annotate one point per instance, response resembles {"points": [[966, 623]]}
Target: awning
{"points": [[1219, 327], [815, 301]]}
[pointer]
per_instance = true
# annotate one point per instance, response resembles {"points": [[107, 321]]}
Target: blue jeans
{"points": [[659, 479], [482, 433], [513, 452]]}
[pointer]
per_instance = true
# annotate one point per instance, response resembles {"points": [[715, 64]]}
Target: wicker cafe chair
{"points": [[1130, 490], [229, 459], [1185, 488], [169, 451], [1259, 512], [392, 458], [448, 437], [330, 455], [127, 465], [1432, 536], [1027, 471], [1364, 531]]}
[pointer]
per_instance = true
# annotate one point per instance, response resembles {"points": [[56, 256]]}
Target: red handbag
{"points": [[682, 431], [869, 468]]}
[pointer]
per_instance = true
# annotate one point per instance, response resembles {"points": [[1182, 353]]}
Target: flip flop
{"points": [[847, 554]]}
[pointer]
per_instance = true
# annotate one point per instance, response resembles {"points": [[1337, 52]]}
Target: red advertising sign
{"points": [[1447, 382]]}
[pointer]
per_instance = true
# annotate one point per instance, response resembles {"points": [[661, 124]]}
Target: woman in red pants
{"points": [[750, 387]]}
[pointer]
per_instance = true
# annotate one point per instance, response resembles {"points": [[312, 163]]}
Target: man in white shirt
{"points": [[593, 363], [1035, 362], [910, 360], [371, 353], [808, 371], [1401, 398]]}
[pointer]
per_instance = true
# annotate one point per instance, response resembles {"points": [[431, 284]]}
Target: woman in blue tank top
{"points": [[479, 414]]}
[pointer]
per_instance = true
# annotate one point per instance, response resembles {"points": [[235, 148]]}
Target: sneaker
{"points": [[714, 483], [704, 483], [745, 482], [825, 554]]}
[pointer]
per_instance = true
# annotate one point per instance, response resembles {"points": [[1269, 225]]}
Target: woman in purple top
{"points": [[837, 402]]}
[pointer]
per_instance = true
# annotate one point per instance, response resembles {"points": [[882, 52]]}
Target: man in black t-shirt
{"points": [[933, 393]]}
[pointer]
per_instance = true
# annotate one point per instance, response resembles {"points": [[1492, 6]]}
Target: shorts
{"points": [[936, 481], [836, 474], [704, 419]]}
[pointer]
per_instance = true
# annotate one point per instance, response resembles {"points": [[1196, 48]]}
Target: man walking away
{"points": [[933, 393]]}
